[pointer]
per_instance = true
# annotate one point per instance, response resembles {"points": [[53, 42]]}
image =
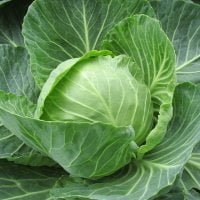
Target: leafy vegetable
{"points": [[91, 100]]}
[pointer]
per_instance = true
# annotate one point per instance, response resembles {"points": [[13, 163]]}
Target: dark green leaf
{"points": [[26, 183], [15, 72], [181, 22], [11, 18], [70, 29]]}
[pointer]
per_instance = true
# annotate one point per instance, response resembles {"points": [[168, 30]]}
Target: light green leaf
{"points": [[66, 141], [144, 178], [142, 38], [11, 17], [184, 32], [70, 29], [24, 183], [160, 167], [16, 104], [97, 88]]}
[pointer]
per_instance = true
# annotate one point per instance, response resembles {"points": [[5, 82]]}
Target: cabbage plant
{"points": [[99, 99]]}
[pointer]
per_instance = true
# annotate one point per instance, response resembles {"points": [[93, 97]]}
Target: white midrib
{"points": [[9, 40], [87, 46], [193, 178], [187, 63]]}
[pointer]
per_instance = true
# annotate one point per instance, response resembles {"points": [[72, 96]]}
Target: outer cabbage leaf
{"points": [[184, 32], [144, 178], [187, 183], [142, 38], [193, 195], [15, 72], [70, 29], [9, 144], [13, 148], [11, 18], [159, 168], [16, 78], [190, 178], [26, 183], [66, 141]]}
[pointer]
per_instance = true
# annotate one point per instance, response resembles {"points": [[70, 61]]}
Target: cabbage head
{"points": [[92, 99]]}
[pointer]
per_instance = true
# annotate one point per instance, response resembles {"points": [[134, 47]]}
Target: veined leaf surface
{"points": [[11, 18], [159, 167], [184, 32], [25, 183], [70, 29], [142, 38]]}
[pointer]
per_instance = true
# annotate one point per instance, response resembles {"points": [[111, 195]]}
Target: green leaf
{"points": [[97, 88], [193, 195], [70, 29], [16, 104], [145, 177], [191, 173], [176, 195], [9, 144], [188, 181], [142, 38], [11, 147], [15, 72], [14, 149], [159, 168], [66, 141], [26, 183], [16, 78], [11, 18], [184, 32]]}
